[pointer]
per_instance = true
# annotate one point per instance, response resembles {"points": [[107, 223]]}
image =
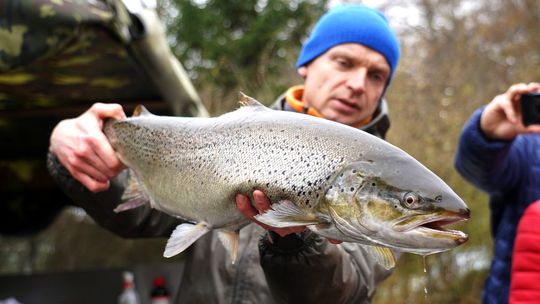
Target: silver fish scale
{"points": [[193, 167]]}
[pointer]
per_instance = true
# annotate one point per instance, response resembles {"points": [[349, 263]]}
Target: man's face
{"points": [[345, 83]]}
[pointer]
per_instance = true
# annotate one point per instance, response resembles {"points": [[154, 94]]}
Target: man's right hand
{"points": [[81, 146]]}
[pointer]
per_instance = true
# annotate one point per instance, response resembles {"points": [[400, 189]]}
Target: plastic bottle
{"points": [[159, 293], [129, 294]]}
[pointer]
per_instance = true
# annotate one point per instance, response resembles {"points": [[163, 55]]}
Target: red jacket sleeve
{"points": [[525, 279]]}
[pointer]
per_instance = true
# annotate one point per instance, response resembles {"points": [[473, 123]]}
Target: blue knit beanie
{"points": [[350, 23]]}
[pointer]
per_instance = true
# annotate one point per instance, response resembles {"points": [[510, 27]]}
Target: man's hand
{"points": [[262, 203], [82, 148], [501, 118]]}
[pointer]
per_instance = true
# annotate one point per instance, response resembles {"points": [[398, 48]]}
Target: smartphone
{"points": [[530, 108]]}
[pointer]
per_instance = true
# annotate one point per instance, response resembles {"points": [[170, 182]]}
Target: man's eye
{"points": [[377, 77], [343, 63]]}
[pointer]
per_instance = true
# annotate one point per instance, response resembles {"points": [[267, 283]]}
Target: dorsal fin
{"points": [[140, 110], [247, 101]]}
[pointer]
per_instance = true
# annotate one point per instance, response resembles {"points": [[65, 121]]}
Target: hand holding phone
{"points": [[530, 108]]}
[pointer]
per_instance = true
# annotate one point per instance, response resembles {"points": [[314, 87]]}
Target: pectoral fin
{"points": [[287, 214], [383, 255], [183, 236], [133, 196], [230, 240]]}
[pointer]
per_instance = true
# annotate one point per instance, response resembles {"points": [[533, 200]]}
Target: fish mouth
{"points": [[434, 225]]}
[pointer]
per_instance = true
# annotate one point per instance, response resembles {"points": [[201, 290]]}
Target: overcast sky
{"points": [[399, 15]]}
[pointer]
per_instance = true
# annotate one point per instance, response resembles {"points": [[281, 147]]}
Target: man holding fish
{"points": [[347, 64]]}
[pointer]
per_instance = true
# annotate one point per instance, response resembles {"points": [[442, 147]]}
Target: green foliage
{"points": [[228, 46]]}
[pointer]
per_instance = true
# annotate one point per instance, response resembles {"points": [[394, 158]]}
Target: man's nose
{"points": [[357, 81]]}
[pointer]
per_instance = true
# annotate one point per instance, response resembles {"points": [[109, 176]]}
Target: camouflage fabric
{"points": [[30, 30], [57, 57], [56, 53]]}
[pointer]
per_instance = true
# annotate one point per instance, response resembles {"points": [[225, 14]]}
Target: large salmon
{"points": [[339, 181]]}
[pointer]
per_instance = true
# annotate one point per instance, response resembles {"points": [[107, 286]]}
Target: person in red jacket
{"points": [[525, 276]]}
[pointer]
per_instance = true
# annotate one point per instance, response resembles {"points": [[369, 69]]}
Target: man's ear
{"points": [[302, 71]]}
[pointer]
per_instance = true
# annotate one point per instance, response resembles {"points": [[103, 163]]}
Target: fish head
{"points": [[398, 204]]}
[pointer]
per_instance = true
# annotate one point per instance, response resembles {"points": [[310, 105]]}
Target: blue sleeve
{"points": [[491, 165]]}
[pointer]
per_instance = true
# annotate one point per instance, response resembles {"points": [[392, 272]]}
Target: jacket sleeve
{"points": [[306, 268], [140, 222], [491, 165], [525, 277]]}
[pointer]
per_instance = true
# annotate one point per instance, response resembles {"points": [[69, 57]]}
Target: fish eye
{"points": [[410, 199]]}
